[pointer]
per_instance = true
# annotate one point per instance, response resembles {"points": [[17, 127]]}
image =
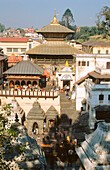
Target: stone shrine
{"points": [[35, 119], [94, 152], [51, 115]]}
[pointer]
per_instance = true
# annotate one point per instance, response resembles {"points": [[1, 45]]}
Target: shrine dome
{"points": [[46, 73], [20, 58], [12, 59]]}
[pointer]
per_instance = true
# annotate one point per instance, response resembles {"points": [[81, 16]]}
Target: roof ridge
{"points": [[70, 30], [33, 48]]}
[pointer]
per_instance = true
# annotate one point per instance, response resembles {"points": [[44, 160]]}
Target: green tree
{"points": [[21, 31], [2, 27], [67, 18], [103, 20]]}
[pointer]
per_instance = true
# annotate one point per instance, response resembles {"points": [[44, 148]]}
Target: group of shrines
{"points": [[52, 54], [50, 61]]}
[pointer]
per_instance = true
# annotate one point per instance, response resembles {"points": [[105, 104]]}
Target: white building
{"points": [[96, 47], [86, 63], [66, 76], [98, 97], [93, 91]]}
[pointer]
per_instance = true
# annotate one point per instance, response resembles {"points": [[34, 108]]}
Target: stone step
{"points": [[67, 108], [67, 105]]}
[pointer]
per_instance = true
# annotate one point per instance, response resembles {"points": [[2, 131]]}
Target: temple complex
{"points": [[54, 51]]}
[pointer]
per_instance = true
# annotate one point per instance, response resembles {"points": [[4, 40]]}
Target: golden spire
{"points": [[59, 69], [55, 21], [66, 65]]}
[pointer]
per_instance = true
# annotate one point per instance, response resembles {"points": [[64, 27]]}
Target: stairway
{"points": [[68, 109]]}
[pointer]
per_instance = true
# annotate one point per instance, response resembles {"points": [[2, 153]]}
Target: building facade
{"points": [[18, 46], [96, 47]]}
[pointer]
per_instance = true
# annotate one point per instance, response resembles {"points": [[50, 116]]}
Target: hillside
{"points": [[95, 38]]}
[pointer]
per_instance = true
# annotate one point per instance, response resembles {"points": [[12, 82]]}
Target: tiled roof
{"points": [[96, 43], [55, 28], [81, 80], [13, 39], [54, 49], [25, 68], [92, 74], [96, 75]]}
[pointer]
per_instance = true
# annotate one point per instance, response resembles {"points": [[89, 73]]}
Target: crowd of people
{"points": [[59, 147]]}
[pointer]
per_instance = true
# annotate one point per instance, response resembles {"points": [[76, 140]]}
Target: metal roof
{"points": [[55, 28], [25, 68], [54, 49], [96, 44]]}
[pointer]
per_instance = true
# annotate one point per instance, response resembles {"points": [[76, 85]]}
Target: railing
{"points": [[29, 94]]}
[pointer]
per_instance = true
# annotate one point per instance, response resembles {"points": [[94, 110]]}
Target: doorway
{"points": [[66, 82], [35, 128]]}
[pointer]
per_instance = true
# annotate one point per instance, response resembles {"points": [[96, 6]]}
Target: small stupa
{"points": [[94, 152], [35, 115]]}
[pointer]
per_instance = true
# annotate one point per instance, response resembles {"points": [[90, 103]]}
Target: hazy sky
{"points": [[39, 13]]}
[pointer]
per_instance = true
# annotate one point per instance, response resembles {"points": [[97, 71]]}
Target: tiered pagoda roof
{"points": [[55, 34], [54, 48]]}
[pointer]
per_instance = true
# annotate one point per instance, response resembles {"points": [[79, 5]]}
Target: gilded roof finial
{"points": [[66, 65], [59, 69], [55, 21], [55, 13]]}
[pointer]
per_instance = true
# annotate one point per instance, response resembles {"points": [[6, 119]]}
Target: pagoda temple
{"points": [[54, 52]]}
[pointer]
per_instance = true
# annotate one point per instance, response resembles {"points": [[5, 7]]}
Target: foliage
{"points": [[22, 31], [5, 112], [103, 20], [12, 131], [102, 25], [67, 18], [6, 135], [19, 148], [2, 27]]}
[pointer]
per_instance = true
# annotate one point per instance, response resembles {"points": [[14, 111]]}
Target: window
{"points": [[101, 98], [15, 49], [109, 98], [83, 63], [106, 51], [87, 63], [9, 49], [108, 65], [98, 51], [23, 49], [79, 63], [30, 46]]}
